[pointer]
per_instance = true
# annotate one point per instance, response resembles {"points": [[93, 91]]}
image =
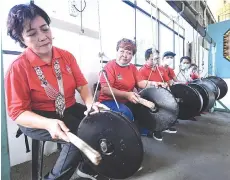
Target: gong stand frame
{"points": [[224, 109]]}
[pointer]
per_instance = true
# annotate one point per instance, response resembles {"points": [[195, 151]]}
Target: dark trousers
{"points": [[70, 156], [139, 117]]}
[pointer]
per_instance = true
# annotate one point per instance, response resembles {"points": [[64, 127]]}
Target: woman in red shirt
{"points": [[123, 77], [40, 88]]}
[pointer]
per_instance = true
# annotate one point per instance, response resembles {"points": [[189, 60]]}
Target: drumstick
{"points": [[92, 154], [147, 103]]}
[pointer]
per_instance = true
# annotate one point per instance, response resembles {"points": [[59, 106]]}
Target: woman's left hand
{"points": [[95, 108]]}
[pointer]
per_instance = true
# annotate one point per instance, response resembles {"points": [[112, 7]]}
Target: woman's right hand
{"points": [[132, 97], [57, 129]]}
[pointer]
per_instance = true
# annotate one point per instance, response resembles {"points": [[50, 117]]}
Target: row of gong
{"points": [[203, 94], [180, 102], [117, 138]]}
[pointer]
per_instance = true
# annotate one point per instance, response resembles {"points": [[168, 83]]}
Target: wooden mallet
{"points": [[92, 154]]}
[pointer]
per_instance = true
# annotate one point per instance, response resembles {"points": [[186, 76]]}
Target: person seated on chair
{"points": [[188, 71], [156, 76], [40, 89], [123, 77], [194, 72], [184, 74], [151, 71], [167, 60]]}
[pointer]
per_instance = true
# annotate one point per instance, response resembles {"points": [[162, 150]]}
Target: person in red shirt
{"points": [[156, 76], [40, 88], [167, 60], [151, 71], [123, 77]]}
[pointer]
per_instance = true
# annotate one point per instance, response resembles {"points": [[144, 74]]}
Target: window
{"points": [[115, 25], [165, 30], [179, 50], [165, 39], [165, 20], [145, 37], [203, 67], [181, 31]]}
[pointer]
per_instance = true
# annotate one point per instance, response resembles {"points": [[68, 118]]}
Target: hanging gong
{"points": [[166, 113], [188, 99], [211, 85], [207, 94], [203, 92], [221, 84], [211, 97], [201, 99], [116, 139]]}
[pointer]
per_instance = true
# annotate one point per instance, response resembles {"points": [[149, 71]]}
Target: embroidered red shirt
{"points": [[121, 78], [23, 87], [145, 72]]}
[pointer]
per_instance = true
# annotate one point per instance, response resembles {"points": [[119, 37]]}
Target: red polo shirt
{"points": [[23, 87], [121, 78], [170, 72], [145, 72]]}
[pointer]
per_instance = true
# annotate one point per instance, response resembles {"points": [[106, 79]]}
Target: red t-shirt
{"points": [[23, 87], [170, 72], [145, 72], [194, 76], [121, 78]]}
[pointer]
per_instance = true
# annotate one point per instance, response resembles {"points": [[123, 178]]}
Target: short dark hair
{"points": [[193, 65], [185, 57], [127, 41], [18, 15], [149, 51]]}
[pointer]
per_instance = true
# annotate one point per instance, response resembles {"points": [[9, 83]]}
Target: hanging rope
{"points": [[101, 54], [153, 29], [153, 40], [178, 34], [178, 37], [203, 41], [178, 31]]}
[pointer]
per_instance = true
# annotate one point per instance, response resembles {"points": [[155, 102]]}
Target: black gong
{"points": [[201, 99], [188, 99], [211, 85], [203, 92], [167, 109], [117, 140], [221, 84], [207, 95]]}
